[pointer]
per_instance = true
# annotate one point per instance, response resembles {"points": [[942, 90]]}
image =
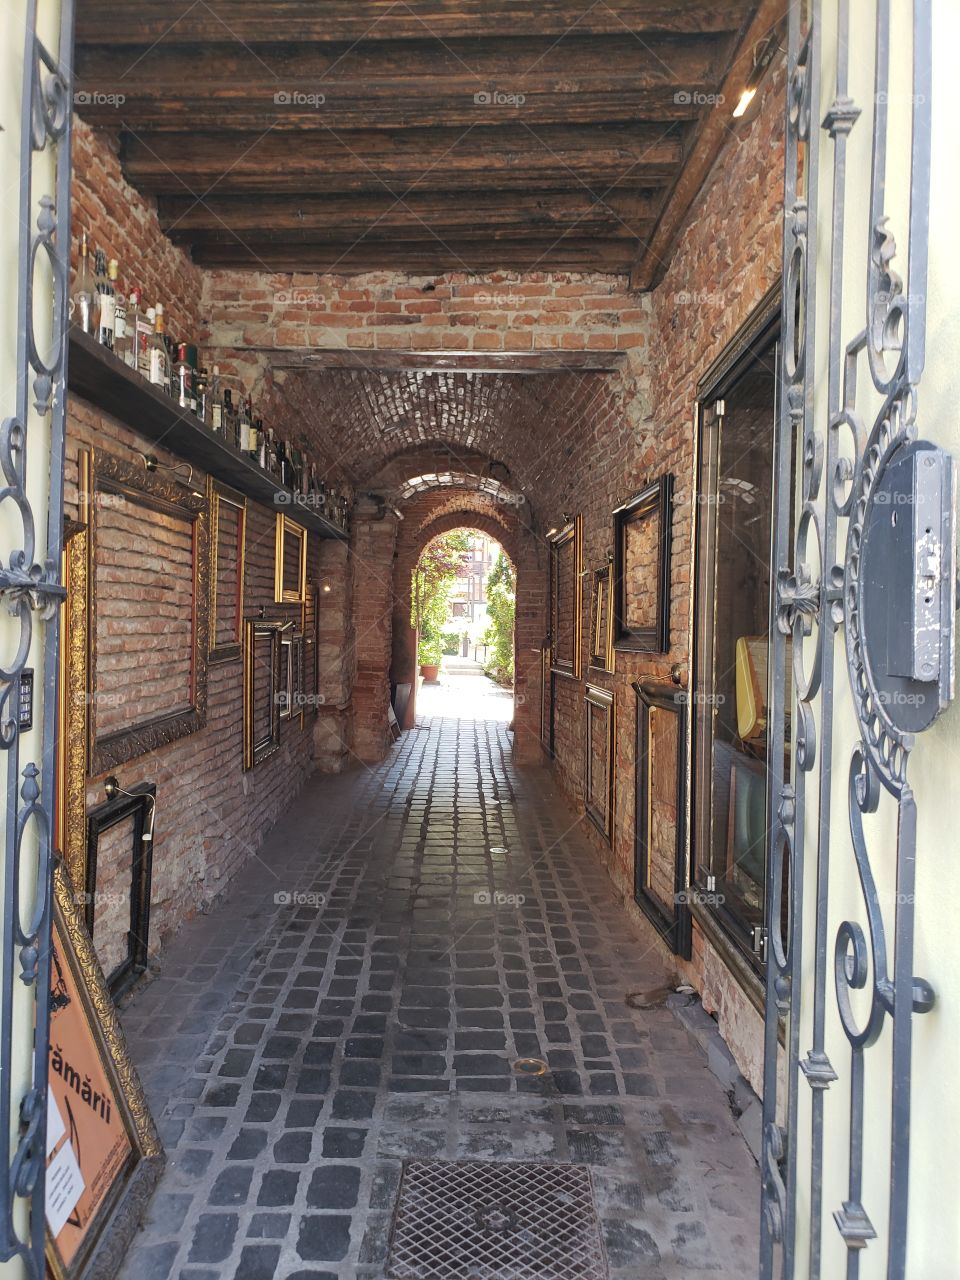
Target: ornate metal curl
{"points": [[31, 590]]}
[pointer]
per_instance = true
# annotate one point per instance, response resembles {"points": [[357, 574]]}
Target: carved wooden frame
{"points": [[655, 498], [118, 1220], [675, 926], [70, 835], [219, 495], [256, 750], [604, 700], [287, 528], [103, 472], [571, 532]]}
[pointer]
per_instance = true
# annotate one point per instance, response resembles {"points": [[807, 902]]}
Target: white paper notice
{"points": [[55, 1126], [64, 1188]]}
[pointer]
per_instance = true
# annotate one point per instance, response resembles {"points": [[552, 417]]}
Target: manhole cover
{"points": [[480, 1220]]}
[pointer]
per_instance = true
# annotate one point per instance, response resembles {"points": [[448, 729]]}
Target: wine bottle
{"points": [[84, 294], [107, 298], [159, 358]]}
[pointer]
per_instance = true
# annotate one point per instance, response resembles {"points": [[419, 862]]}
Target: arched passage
{"points": [[439, 511]]}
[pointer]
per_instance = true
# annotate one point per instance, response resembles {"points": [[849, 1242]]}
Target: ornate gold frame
{"points": [[571, 531], [119, 1218], [603, 699], [101, 472], [601, 656], [219, 495], [70, 835], [289, 528]]}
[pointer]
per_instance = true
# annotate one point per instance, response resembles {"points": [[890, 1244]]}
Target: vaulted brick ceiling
{"points": [[423, 136], [512, 431]]}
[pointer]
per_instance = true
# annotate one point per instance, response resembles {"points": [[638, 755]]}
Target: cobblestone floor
{"points": [[406, 934]]}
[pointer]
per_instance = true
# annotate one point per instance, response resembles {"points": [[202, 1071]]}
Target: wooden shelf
{"points": [[100, 377]]}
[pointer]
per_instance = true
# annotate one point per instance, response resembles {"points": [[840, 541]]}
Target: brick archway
{"points": [[436, 512]]}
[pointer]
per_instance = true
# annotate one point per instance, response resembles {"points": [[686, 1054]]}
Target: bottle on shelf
{"points": [[201, 394], [229, 417], [159, 357], [184, 378], [215, 402], [121, 336], [85, 303], [107, 300]]}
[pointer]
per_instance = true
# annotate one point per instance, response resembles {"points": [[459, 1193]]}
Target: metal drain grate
{"points": [[481, 1220]]}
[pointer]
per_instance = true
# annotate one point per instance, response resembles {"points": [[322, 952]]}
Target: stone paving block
{"points": [[331, 1046]]}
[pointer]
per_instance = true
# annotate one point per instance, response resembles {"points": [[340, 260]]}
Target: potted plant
{"points": [[430, 653], [432, 579]]}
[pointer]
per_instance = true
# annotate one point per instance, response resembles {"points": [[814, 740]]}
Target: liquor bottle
{"points": [[283, 467], [262, 446], [215, 402], [139, 328], [84, 295], [243, 426], [271, 452], [184, 376], [201, 394], [229, 417], [322, 501], [107, 296], [159, 357], [121, 337]]}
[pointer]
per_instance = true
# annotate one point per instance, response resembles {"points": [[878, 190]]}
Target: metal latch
{"points": [[758, 942]]}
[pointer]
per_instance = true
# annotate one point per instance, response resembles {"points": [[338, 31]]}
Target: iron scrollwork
{"points": [[32, 592], [835, 569]]}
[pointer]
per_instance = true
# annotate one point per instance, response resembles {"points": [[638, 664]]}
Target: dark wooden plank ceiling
{"points": [[430, 135]]}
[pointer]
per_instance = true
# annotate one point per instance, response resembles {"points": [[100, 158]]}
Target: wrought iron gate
{"points": [[31, 591], [865, 570]]}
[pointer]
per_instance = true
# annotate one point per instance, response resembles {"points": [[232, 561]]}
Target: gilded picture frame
{"points": [[220, 496], [566, 593], [601, 702], [112, 1130], [70, 833], [101, 473], [287, 591]]}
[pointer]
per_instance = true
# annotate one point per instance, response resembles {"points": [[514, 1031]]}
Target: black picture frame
{"points": [[675, 926], [602, 700], [655, 499], [140, 801]]}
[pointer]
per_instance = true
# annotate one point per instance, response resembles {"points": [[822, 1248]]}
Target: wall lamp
{"points": [[152, 463], [764, 52], [112, 788]]}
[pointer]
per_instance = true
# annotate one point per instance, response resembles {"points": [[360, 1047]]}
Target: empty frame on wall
{"points": [[660, 872], [598, 772], [601, 622], [566, 608], [119, 878], [262, 690], [290, 573], [641, 570], [228, 529], [148, 593]]}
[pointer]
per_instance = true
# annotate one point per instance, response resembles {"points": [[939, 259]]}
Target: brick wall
{"points": [[571, 443]]}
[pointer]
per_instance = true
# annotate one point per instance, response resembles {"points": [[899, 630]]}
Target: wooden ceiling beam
{"points": [[717, 126], [332, 217], [261, 22], [430, 257], [397, 161], [317, 359]]}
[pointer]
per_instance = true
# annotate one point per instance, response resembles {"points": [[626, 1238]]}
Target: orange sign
{"points": [[88, 1145]]}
